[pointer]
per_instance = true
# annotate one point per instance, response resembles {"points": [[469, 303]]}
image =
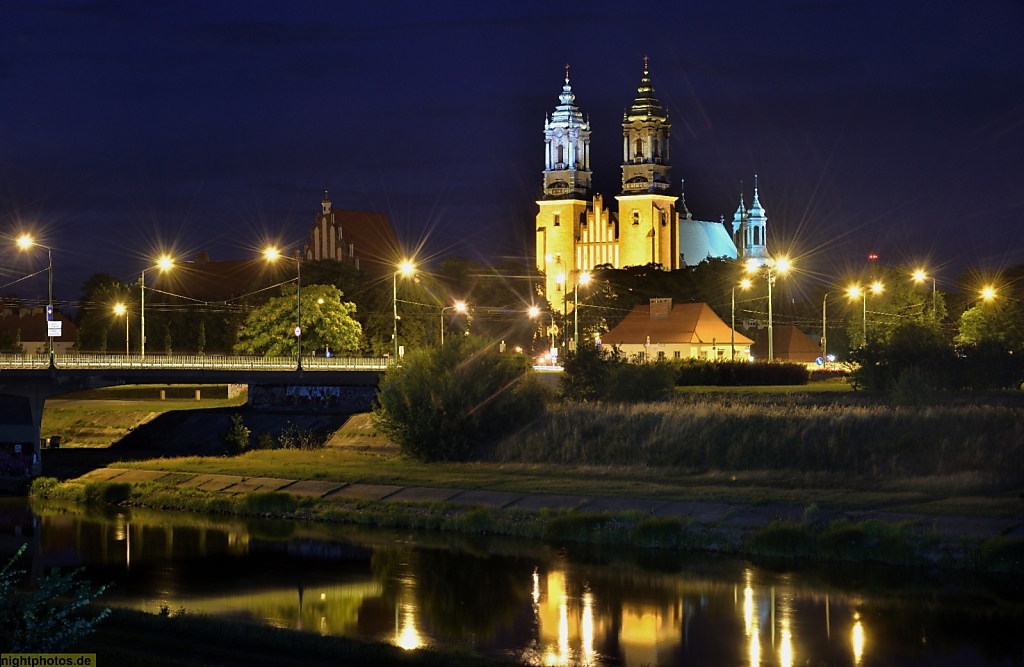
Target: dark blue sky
{"points": [[893, 127]]}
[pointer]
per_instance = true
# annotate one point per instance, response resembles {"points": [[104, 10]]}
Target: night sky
{"points": [[875, 126]]}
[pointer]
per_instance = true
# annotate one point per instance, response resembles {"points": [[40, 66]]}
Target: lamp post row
{"points": [[771, 270]]}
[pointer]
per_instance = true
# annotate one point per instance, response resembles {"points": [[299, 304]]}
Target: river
{"points": [[542, 604]]}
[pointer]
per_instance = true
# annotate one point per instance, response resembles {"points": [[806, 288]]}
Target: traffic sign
{"points": [[819, 361], [298, 331], [49, 313], [53, 329]]}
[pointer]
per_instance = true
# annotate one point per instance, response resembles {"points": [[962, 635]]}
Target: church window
{"points": [[664, 218], [557, 219], [561, 155], [757, 236], [639, 147], [636, 217], [657, 152]]}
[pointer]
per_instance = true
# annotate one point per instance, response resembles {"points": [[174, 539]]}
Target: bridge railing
{"points": [[190, 362]]}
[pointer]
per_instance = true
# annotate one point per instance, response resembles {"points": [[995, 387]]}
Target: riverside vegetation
{"points": [[828, 453]]}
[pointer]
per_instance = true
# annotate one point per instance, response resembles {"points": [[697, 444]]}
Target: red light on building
{"points": [[873, 257]]}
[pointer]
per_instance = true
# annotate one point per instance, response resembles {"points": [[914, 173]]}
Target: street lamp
{"points": [[919, 277], [745, 284], [406, 268], [824, 330], [272, 255], [121, 309], [772, 269], [988, 293], [584, 279], [25, 242], [458, 307], [855, 291], [534, 313], [164, 264]]}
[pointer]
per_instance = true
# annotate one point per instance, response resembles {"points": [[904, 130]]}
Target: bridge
{"points": [[26, 381]]}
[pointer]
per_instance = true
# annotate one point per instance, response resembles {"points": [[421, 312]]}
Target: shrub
{"points": [[269, 502], [601, 375], [293, 437], [444, 404], [49, 619], [236, 438]]}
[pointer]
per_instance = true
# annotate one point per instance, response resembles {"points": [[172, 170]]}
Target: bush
{"points": [[601, 375], [293, 437], [237, 437], [444, 404], [49, 619]]}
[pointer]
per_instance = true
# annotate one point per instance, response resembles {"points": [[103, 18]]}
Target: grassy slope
{"points": [[100, 417]]}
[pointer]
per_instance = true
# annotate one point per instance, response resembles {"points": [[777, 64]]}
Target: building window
{"points": [[639, 148], [561, 154], [557, 219], [636, 217], [677, 354], [661, 356], [664, 218]]}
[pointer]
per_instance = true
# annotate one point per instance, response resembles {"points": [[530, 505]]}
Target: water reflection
{"points": [[587, 607]]}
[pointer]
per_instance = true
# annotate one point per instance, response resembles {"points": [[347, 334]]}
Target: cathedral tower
{"points": [[563, 207], [647, 213], [755, 242]]}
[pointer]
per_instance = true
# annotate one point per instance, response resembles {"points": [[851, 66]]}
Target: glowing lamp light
{"points": [[534, 311], [752, 266], [854, 291], [782, 265], [988, 293], [877, 287], [585, 278], [920, 276], [406, 268], [745, 283], [460, 306], [25, 242]]}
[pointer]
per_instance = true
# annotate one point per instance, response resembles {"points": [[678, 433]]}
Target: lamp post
{"points": [[272, 255], [745, 284], [988, 293], [772, 269], [164, 264], [583, 279], [824, 330], [534, 313], [560, 282], [406, 268], [857, 291], [121, 309], [919, 277], [25, 242], [458, 307]]}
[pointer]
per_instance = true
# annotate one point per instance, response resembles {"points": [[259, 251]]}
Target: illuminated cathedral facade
{"points": [[576, 233]]}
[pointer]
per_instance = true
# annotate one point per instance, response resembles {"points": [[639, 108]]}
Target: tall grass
{"points": [[750, 434]]}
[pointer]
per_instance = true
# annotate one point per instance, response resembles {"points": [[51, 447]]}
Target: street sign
{"points": [[298, 331], [53, 329], [49, 313], [819, 361]]}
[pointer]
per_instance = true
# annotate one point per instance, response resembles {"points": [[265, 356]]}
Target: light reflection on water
{"points": [[529, 602]]}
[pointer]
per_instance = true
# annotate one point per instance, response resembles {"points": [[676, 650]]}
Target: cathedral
{"points": [[575, 232]]}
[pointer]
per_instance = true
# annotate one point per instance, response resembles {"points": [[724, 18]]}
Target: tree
{"points": [[998, 323], [445, 403], [327, 322], [95, 319]]}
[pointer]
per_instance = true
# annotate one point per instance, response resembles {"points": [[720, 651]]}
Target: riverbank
{"points": [[950, 514], [763, 530]]}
